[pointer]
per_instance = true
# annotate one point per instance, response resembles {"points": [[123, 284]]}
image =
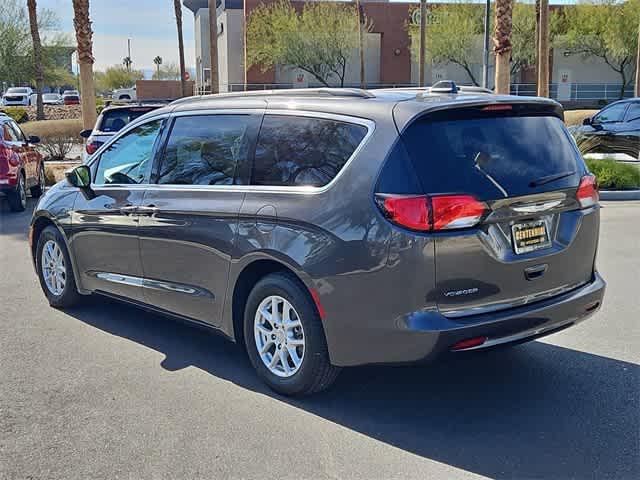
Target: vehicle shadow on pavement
{"points": [[534, 411]]}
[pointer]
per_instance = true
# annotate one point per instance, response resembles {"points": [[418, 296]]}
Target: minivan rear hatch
{"points": [[535, 238]]}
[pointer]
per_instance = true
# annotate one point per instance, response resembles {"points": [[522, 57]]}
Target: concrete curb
{"points": [[619, 194]]}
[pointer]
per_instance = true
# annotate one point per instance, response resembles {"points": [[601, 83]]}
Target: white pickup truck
{"points": [[124, 94]]}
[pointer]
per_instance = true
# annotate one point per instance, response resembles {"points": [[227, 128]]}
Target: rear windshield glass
{"points": [[491, 156], [114, 120]]}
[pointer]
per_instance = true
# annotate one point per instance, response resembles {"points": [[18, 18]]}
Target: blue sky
{"points": [[150, 24]]}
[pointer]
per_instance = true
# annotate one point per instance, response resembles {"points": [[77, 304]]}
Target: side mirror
{"points": [[86, 133], [33, 139], [587, 121], [79, 177]]}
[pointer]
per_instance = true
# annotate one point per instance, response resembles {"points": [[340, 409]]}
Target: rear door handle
{"points": [[128, 209], [147, 210]]}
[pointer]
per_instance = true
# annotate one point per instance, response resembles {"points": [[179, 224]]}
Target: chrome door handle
{"points": [[148, 210], [129, 209]]}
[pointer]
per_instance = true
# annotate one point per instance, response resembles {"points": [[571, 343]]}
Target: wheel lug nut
{"points": [[273, 337]]}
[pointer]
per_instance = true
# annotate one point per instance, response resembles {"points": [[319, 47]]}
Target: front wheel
{"points": [[54, 269], [284, 337]]}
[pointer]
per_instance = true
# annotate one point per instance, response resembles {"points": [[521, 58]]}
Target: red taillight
{"points": [[587, 193], [469, 343], [456, 211], [91, 147], [409, 211], [429, 213]]}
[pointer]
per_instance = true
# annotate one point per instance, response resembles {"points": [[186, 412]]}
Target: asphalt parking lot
{"points": [[108, 391]]}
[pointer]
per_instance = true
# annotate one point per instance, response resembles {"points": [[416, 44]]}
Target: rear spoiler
{"points": [[406, 112]]}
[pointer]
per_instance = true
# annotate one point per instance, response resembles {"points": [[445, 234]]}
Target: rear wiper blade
{"points": [[551, 178]]}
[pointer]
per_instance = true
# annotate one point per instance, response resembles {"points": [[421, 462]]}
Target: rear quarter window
{"points": [[112, 121], [303, 151]]}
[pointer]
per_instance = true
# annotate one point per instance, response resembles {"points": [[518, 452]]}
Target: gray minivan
{"points": [[325, 228]]}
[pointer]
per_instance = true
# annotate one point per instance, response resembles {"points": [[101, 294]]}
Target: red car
{"points": [[71, 97], [21, 165]]}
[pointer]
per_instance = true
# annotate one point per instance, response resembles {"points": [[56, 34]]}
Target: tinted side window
{"points": [[633, 113], [295, 151], [613, 113], [128, 160], [205, 150]]}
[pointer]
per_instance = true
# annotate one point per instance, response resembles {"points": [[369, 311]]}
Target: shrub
{"points": [[57, 137], [614, 175], [54, 128], [19, 114]]}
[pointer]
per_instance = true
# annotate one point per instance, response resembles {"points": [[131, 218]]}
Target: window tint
{"points": [[204, 150], [128, 159], [613, 113], [115, 120], [481, 156], [295, 151], [634, 112]]}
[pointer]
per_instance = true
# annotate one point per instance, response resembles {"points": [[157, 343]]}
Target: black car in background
{"points": [[613, 130]]}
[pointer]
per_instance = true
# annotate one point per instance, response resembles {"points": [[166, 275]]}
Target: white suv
{"points": [[17, 96]]}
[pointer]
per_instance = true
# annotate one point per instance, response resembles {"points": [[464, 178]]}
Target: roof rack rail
{"points": [[298, 92]]}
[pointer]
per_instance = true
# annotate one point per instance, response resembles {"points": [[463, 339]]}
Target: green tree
{"points": [[605, 29], [167, 71], [17, 63], [119, 77], [318, 40], [452, 34]]}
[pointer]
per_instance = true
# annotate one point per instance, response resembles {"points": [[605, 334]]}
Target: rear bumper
{"points": [[425, 335]]}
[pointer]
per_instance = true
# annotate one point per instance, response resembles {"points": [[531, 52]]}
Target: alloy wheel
{"points": [[54, 271], [279, 336]]}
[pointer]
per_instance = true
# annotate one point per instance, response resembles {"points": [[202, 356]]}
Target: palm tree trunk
{"points": [[82, 25], [638, 65], [543, 50], [213, 35], [423, 34], [502, 45], [183, 83], [359, 19], [537, 40], [37, 57]]}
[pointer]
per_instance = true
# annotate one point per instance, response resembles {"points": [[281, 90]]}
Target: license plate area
{"points": [[530, 236]]}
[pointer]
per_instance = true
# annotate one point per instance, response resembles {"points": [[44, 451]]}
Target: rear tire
{"points": [[54, 269], [18, 198], [304, 347], [38, 190]]}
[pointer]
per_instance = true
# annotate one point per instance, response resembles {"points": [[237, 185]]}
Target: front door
{"points": [[105, 221], [189, 218]]}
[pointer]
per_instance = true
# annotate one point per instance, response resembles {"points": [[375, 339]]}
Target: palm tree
{"points": [[213, 35], [502, 45], [82, 26], [37, 57], [158, 62], [423, 35], [178, 9], [360, 24], [126, 61], [543, 50]]}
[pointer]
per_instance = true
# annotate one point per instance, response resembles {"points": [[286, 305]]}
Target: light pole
{"points": [[485, 62]]}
